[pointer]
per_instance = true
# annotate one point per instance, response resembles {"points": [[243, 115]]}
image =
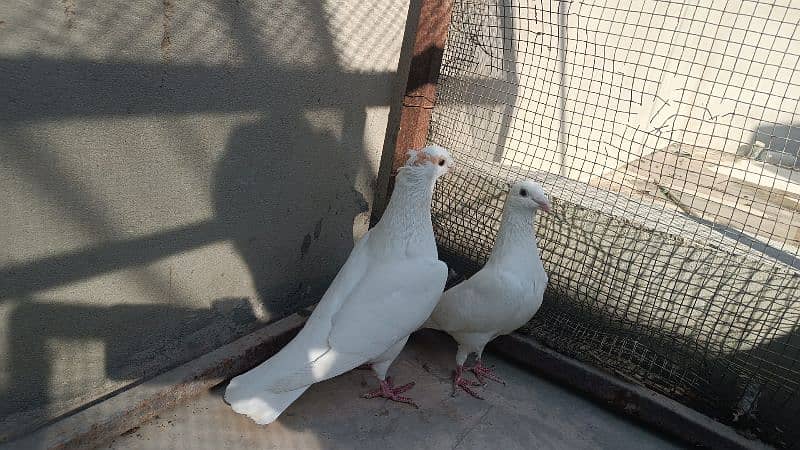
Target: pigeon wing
{"points": [[390, 302]]}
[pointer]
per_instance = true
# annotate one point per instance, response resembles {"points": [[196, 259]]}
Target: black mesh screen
{"points": [[667, 135]]}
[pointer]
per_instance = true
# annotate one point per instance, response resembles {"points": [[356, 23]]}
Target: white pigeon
{"points": [[386, 290], [504, 294]]}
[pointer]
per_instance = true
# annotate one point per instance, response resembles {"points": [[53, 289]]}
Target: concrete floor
{"points": [[527, 413]]}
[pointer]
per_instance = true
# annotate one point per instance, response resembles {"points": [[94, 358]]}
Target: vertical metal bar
{"points": [[563, 30]]}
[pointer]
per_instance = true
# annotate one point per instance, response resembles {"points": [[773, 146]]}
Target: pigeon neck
{"points": [[410, 204], [515, 234]]}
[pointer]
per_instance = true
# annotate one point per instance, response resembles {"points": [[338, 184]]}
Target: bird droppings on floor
{"points": [[527, 413]]}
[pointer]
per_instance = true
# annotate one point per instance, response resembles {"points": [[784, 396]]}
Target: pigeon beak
{"points": [[544, 207]]}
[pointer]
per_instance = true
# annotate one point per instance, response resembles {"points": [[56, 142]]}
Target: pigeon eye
{"points": [[523, 192], [441, 162]]}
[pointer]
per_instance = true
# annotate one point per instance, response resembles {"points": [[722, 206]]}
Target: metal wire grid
{"points": [[667, 133]]}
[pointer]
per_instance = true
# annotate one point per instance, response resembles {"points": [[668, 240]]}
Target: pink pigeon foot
{"points": [[460, 382], [482, 372], [388, 390]]}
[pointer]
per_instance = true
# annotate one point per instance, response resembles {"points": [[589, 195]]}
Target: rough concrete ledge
{"points": [[98, 424], [637, 402]]}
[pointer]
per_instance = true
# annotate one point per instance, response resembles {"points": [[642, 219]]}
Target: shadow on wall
{"points": [[781, 144], [284, 194], [256, 197], [770, 406], [263, 194], [131, 349]]}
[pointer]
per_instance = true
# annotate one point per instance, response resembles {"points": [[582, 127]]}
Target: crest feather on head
{"points": [[433, 154], [413, 156]]}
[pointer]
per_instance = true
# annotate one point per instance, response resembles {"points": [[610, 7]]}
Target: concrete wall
{"points": [[172, 175]]}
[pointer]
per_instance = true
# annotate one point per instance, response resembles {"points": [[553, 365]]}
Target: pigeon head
{"points": [[528, 195], [432, 158]]}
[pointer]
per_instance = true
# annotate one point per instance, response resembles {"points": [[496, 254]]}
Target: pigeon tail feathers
{"points": [[261, 405]]}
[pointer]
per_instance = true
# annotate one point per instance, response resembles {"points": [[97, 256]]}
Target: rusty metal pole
{"points": [[420, 93]]}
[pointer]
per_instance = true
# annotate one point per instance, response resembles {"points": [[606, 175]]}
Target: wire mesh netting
{"points": [[667, 134]]}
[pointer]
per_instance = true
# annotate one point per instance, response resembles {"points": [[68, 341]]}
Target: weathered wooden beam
{"points": [[420, 93]]}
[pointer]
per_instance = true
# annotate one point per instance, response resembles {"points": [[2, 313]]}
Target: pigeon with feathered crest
{"points": [[386, 289]]}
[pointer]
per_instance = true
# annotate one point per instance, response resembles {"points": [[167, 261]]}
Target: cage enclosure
{"points": [[667, 133]]}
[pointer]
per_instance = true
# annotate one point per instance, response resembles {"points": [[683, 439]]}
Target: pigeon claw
{"points": [[388, 391], [466, 385], [483, 373]]}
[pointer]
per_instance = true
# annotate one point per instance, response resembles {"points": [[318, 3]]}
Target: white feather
{"points": [[508, 290], [389, 285]]}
